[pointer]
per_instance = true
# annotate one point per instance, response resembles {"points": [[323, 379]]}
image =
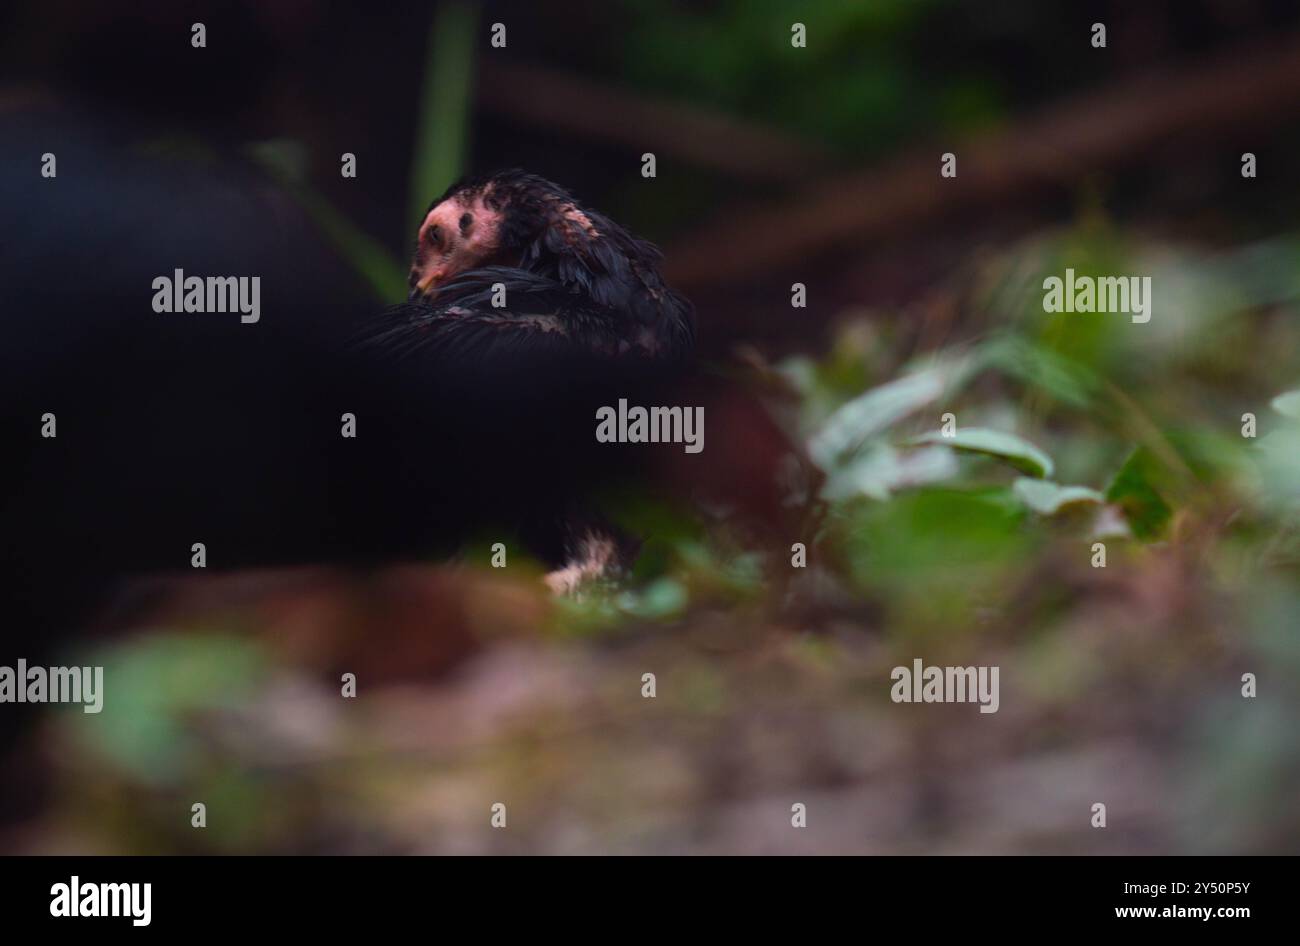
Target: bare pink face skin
{"points": [[457, 235]]}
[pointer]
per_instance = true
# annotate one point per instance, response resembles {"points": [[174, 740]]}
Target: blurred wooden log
{"points": [[702, 137], [1253, 86]]}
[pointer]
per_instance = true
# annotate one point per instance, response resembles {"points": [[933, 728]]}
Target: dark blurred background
{"points": [[737, 117], [775, 165]]}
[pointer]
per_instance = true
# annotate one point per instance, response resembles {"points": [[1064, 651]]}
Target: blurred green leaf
{"points": [[1048, 498], [930, 555], [1040, 367], [881, 470], [1017, 451], [161, 683], [662, 599], [441, 125], [385, 274], [1133, 490], [878, 409], [1278, 459], [1288, 404]]}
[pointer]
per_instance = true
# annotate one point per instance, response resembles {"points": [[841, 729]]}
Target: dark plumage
{"points": [[536, 311], [573, 280]]}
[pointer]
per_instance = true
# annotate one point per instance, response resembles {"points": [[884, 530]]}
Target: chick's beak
{"points": [[424, 285]]}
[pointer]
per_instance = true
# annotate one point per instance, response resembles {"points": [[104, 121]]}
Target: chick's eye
{"points": [[465, 221], [433, 234]]}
